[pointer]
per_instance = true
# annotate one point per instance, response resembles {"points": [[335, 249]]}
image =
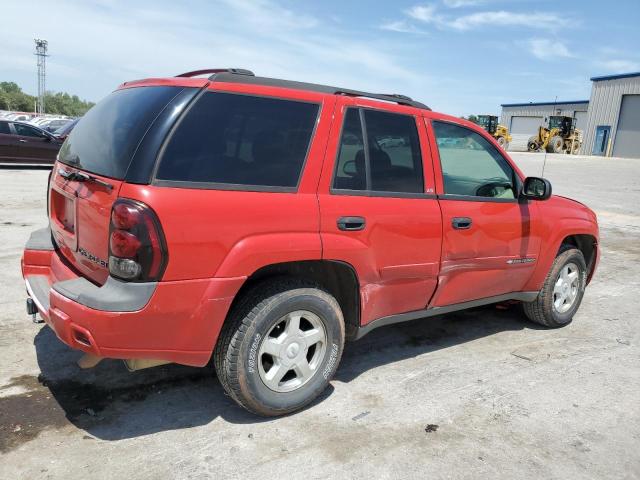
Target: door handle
{"points": [[351, 224], [461, 223], [22, 140]]}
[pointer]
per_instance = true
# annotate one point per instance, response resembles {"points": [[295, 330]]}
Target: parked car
{"points": [[63, 132], [54, 125], [19, 117], [262, 222], [25, 144]]}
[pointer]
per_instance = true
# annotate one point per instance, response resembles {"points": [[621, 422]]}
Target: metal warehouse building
{"points": [[613, 126], [610, 120], [523, 119]]}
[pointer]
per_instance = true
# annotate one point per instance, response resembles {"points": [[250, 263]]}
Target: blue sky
{"points": [[458, 56]]}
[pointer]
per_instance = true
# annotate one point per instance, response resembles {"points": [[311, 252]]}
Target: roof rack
{"points": [[387, 97], [236, 71], [240, 75]]}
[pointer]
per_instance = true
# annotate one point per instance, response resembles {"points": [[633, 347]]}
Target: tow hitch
{"points": [[33, 311]]}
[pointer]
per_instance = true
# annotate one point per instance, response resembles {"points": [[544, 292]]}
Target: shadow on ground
{"points": [[110, 403]]}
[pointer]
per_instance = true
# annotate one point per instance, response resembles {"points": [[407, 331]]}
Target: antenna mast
{"points": [[41, 54], [544, 164]]}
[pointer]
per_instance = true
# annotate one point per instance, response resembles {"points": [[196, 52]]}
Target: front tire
{"points": [[562, 291], [556, 145], [280, 346]]}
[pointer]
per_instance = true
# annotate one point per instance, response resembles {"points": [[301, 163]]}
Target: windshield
{"points": [[107, 137], [555, 122], [483, 120], [63, 130]]}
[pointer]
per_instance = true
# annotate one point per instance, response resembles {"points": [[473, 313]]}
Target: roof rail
{"points": [[237, 71], [392, 97], [227, 75]]}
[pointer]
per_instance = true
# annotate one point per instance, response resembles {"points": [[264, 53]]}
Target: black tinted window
{"points": [[106, 139], [392, 153], [27, 131], [350, 167], [240, 140], [471, 165], [4, 128]]}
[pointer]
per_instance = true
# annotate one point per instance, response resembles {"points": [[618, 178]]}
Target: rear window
{"points": [[240, 140], [106, 138]]}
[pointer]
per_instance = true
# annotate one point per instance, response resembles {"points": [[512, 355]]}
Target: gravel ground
{"points": [[477, 394]]}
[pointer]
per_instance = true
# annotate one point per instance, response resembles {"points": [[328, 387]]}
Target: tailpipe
{"points": [[89, 360], [134, 364]]}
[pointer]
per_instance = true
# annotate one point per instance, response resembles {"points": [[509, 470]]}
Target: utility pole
{"points": [[41, 54]]}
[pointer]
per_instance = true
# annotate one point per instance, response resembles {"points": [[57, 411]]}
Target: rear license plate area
{"points": [[63, 209]]}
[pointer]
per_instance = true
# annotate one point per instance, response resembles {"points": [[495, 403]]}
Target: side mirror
{"points": [[536, 188]]}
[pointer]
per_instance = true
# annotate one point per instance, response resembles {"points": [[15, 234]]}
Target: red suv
{"points": [[262, 222]]}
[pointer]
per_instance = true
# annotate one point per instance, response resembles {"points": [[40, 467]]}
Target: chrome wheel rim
{"points": [[566, 288], [291, 353]]}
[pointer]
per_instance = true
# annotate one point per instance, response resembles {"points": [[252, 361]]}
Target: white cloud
{"points": [[462, 3], [428, 14], [619, 65], [423, 13], [124, 41], [546, 49], [402, 27], [539, 20]]}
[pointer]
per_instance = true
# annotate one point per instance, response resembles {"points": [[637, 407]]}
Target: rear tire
{"points": [[280, 346], [502, 142], [562, 291], [575, 147]]}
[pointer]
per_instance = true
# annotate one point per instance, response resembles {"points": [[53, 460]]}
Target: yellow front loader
{"points": [[499, 132], [560, 137]]}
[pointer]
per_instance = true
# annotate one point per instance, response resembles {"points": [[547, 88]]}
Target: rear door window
{"points": [[4, 128], [394, 152], [106, 138], [238, 141], [391, 162]]}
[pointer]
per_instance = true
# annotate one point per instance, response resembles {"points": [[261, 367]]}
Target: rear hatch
{"points": [[92, 165]]}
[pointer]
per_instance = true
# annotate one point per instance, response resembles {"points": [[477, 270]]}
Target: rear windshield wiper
{"points": [[82, 177]]}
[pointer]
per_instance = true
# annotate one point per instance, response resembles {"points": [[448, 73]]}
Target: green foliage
{"points": [[473, 118], [13, 98]]}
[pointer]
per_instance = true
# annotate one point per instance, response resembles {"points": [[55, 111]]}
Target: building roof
{"points": [[542, 104], [615, 77]]}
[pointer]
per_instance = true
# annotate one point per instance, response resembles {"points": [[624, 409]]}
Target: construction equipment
{"points": [[500, 132], [561, 136]]}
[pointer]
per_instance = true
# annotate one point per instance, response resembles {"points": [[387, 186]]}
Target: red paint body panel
{"points": [[180, 323], [407, 258], [88, 206], [398, 253]]}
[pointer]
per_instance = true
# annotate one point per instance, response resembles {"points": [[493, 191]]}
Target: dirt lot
{"points": [[479, 394]]}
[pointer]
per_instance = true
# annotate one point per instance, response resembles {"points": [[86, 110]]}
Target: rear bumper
{"points": [[177, 321]]}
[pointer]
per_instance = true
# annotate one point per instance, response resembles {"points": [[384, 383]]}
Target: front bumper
{"points": [[176, 321]]}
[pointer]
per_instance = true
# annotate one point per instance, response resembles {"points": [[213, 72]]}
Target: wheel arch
{"points": [[338, 278], [587, 244]]}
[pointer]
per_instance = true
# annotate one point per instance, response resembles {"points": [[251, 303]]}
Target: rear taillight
{"points": [[137, 250]]}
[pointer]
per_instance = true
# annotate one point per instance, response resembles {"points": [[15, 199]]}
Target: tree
{"points": [[61, 103]]}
